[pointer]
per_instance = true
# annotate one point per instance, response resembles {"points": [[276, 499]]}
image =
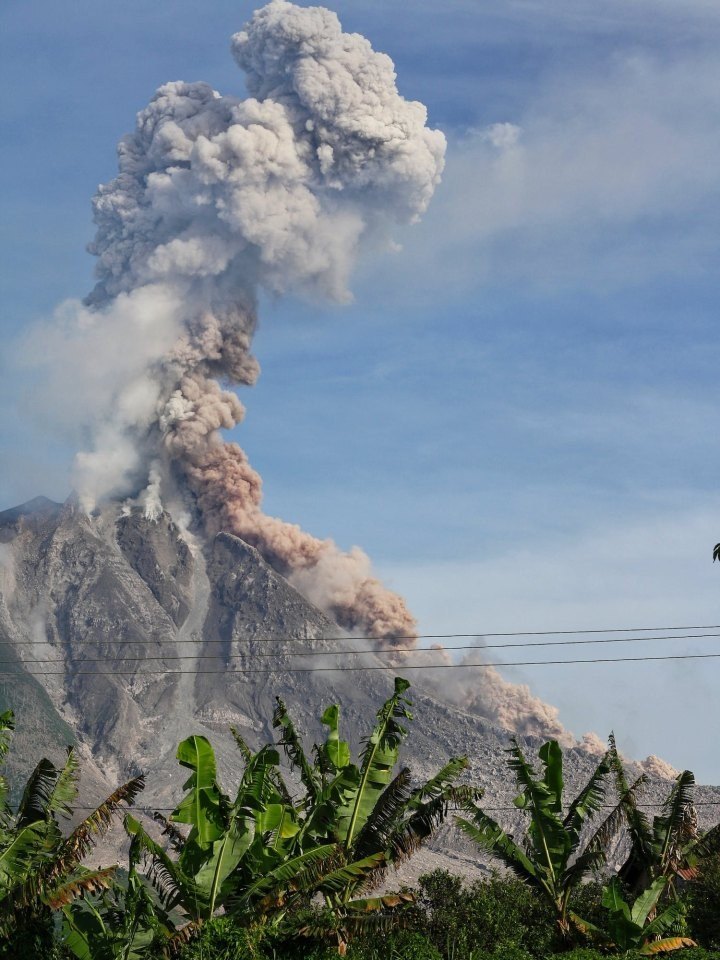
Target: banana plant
{"points": [[239, 855], [557, 853], [368, 810], [629, 927], [668, 846], [41, 868], [263, 853], [124, 923], [230, 842], [369, 807]]}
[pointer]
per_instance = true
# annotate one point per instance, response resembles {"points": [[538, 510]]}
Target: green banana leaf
{"points": [[201, 806], [491, 837], [20, 854], [289, 873], [49, 791], [378, 761], [647, 901], [291, 743], [337, 751]]}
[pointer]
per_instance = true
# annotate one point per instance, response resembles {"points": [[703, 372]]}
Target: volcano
{"points": [[141, 634]]}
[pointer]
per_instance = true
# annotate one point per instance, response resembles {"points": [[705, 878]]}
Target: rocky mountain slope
{"points": [[153, 636]]}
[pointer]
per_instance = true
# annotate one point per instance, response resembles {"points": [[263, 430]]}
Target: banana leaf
{"points": [[49, 791], [378, 761], [201, 805], [20, 855], [491, 837], [291, 743], [668, 945], [337, 751]]}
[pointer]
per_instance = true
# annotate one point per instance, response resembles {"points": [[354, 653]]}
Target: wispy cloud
{"points": [[606, 178]]}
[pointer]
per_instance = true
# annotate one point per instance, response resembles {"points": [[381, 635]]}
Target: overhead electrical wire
{"points": [[346, 669], [416, 636], [116, 657], [511, 808]]}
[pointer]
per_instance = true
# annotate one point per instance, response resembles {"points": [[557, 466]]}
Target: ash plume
{"points": [[657, 768], [216, 198], [484, 692], [513, 706]]}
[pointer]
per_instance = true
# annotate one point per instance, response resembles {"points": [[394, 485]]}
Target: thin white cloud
{"points": [[659, 423], [609, 178]]}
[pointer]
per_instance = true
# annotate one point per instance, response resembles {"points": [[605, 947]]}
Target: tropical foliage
{"points": [[367, 810], [263, 854], [556, 856], [288, 866], [640, 925], [669, 846], [125, 923], [482, 916], [41, 868]]}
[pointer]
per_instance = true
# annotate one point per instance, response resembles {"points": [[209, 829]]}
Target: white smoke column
{"points": [[215, 198], [151, 498]]}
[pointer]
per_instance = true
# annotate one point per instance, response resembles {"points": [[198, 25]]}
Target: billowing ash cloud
{"points": [[483, 691], [512, 705], [217, 197]]}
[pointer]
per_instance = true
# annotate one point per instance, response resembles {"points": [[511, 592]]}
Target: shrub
{"points": [[33, 936], [222, 939], [704, 905], [697, 953], [484, 918], [507, 951], [586, 902], [395, 945], [308, 951], [582, 953], [400, 945]]}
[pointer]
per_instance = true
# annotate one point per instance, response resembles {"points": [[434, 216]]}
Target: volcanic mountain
{"points": [[141, 634]]}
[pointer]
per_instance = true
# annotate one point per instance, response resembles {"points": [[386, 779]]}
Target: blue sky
{"points": [[517, 416]]}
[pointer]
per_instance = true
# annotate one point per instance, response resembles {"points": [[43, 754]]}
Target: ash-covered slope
{"points": [[140, 636], [121, 614], [153, 635]]}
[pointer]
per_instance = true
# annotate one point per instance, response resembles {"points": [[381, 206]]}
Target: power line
{"points": [[298, 640], [393, 668], [117, 658], [512, 808], [414, 636]]}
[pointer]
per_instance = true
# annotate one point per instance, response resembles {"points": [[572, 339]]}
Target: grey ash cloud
{"points": [[217, 198]]}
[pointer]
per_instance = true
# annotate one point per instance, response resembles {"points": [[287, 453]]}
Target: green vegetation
{"points": [[274, 871], [555, 859], [642, 925], [668, 847], [40, 868]]}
